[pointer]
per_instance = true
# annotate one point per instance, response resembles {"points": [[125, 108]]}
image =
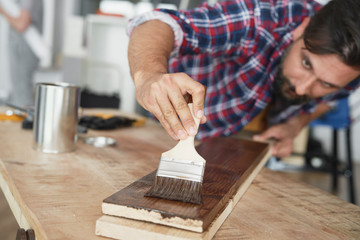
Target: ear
{"points": [[299, 30]]}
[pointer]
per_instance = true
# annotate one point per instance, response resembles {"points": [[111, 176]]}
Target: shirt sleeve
{"points": [[217, 28], [206, 28], [156, 15]]}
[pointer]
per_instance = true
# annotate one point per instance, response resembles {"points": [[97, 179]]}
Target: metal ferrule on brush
{"points": [[180, 172], [184, 169]]}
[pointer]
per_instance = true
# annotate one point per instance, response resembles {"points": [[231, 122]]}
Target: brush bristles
{"points": [[176, 189]]}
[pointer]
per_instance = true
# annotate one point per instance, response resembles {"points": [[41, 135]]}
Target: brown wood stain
{"points": [[229, 162]]}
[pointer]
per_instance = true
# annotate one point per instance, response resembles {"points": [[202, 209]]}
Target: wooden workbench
{"points": [[60, 195]]}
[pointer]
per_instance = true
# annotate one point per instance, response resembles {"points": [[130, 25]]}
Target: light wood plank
{"points": [[60, 195], [120, 228], [230, 163]]}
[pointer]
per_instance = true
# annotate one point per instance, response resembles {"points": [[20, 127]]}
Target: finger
{"points": [[203, 119], [197, 92], [151, 105], [158, 114], [269, 134], [262, 137], [161, 91], [179, 87], [170, 115], [182, 109], [281, 152], [274, 150], [193, 92], [197, 96], [283, 148]]}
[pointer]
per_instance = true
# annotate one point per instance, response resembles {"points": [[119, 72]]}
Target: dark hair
{"points": [[335, 29]]}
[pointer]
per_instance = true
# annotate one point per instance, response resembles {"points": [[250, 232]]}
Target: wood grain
{"points": [[274, 207], [60, 195], [229, 163]]}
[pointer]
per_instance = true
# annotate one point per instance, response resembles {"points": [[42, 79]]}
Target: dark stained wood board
{"points": [[229, 163]]}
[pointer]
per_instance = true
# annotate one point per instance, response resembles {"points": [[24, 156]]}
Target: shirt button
{"points": [[274, 15]]}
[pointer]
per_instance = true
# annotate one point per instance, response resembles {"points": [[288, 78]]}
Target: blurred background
{"points": [[84, 42]]}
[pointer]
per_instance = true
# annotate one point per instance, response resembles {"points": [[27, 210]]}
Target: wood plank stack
{"points": [[231, 166]]}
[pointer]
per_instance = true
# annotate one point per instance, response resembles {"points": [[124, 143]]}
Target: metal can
{"points": [[56, 117]]}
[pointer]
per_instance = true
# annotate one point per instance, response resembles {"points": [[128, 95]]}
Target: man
{"points": [[238, 57], [23, 61]]}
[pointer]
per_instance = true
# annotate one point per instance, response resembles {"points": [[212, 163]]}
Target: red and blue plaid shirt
{"points": [[234, 49]]}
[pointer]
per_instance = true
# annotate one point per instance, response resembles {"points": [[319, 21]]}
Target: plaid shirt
{"points": [[234, 49]]}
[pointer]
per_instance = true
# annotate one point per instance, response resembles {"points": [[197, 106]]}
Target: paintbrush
{"points": [[180, 172]]}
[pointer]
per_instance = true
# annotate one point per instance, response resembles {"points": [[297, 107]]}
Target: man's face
{"points": [[303, 75]]}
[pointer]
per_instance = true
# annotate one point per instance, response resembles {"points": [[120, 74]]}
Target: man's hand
{"points": [[163, 95], [283, 136], [284, 133], [21, 22], [2, 12], [157, 91]]}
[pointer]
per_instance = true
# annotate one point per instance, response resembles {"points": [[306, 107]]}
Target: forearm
{"points": [[149, 50]]}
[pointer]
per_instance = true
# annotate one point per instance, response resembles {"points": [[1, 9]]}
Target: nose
{"points": [[303, 85]]}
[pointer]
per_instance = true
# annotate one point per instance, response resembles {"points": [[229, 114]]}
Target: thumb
{"points": [[262, 137]]}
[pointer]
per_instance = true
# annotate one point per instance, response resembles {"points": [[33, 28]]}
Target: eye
{"points": [[306, 63], [328, 85]]}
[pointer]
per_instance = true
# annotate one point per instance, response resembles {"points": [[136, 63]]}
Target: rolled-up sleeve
{"points": [[155, 15]]}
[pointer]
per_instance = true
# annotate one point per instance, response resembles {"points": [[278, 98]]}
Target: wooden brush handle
{"points": [[185, 149], [188, 143]]}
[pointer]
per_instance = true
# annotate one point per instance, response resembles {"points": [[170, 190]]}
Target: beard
{"points": [[284, 89]]}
